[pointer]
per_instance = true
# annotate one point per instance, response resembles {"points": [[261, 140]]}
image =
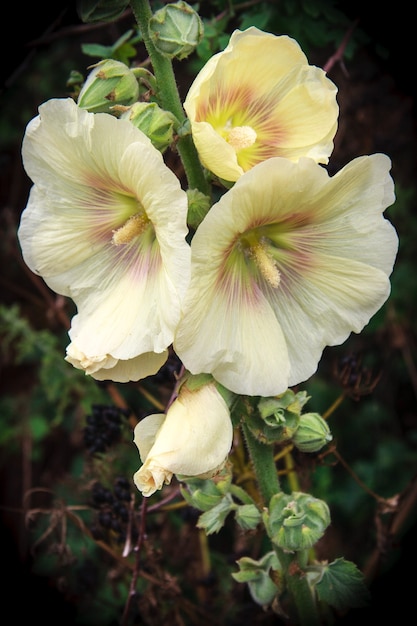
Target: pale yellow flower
{"points": [[287, 262], [258, 99], [105, 225], [193, 439]]}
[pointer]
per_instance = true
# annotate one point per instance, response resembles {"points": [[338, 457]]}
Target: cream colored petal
{"points": [[107, 367], [145, 433], [89, 170], [232, 333], [129, 315], [339, 297], [195, 438], [263, 82], [151, 477], [93, 175], [334, 251], [215, 153], [249, 54], [307, 111]]}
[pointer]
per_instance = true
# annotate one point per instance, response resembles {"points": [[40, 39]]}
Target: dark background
{"points": [[393, 79]]}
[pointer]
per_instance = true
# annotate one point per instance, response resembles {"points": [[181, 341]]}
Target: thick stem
{"points": [[169, 98], [262, 457], [301, 592]]}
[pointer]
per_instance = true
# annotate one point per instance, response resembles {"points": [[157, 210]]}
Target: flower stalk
{"points": [[169, 97], [262, 457]]}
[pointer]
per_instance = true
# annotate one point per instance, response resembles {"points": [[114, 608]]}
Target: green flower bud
{"points": [[198, 206], [297, 521], [176, 30], [110, 83], [156, 123], [248, 516], [312, 434]]}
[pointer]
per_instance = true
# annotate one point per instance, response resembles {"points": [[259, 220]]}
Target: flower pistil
{"points": [[134, 226]]}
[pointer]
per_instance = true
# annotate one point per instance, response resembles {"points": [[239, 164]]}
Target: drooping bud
{"points": [[156, 123], [312, 433], [109, 83], [176, 30], [296, 521]]}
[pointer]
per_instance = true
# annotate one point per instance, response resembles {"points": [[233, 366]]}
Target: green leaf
{"points": [[213, 520], [343, 586], [100, 10]]}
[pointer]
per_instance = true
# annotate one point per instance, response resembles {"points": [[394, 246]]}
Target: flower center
{"points": [[241, 137], [134, 226], [258, 250]]}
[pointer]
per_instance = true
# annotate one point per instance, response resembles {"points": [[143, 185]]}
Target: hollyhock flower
{"points": [[192, 439], [288, 261], [257, 99], [105, 225]]}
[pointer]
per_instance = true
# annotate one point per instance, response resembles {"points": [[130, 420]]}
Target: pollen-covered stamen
{"points": [[241, 137], [265, 263], [134, 226]]}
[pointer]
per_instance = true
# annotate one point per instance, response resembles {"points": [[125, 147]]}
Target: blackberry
{"points": [[103, 427], [112, 514]]}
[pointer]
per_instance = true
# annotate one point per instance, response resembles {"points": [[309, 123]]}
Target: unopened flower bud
{"points": [[296, 521], [198, 206], [248, 516], [176, 30], [110, 83], [312, 433], [156, 123]]}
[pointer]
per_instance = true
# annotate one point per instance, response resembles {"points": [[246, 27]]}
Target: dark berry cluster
{"points": [[103, 427], [112, 508]]}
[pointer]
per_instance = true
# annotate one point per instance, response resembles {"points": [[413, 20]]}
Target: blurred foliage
{"points": [[82, 533]]}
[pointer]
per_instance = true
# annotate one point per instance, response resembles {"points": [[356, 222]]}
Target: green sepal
{"points": [[276, 419], [100, 10], [257, 574], [213, 519], [176, 30], [312, 433], [248, 516]]}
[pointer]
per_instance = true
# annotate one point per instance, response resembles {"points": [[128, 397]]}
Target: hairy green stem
{"points": [[262, 457], [169, 97]]}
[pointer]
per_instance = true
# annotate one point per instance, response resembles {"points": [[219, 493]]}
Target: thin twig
{"points": [[135, 575], [337, 57]]}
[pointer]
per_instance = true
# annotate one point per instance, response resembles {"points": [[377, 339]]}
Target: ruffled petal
{"points": [[262, 90], [94, 175], [288, 261]]}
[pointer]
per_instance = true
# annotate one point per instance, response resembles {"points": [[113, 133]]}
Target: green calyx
{"points": [[176, 30], [296, 521]]}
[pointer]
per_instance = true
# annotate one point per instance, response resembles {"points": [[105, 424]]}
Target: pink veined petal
{"points": [[264, 84], [334, 252], [91, 174]]}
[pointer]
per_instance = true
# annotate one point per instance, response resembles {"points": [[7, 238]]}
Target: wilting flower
{"points": [[257, 99], [287, 262], [105, 224], [192, 439]]}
